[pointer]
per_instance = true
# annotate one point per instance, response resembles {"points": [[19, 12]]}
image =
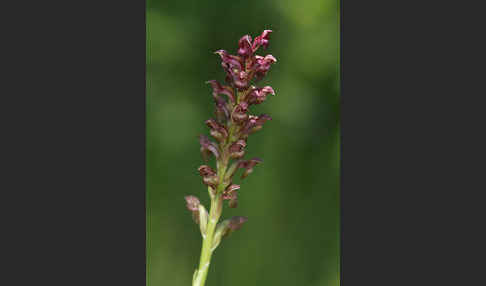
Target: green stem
{"points": [[199, 278], [207, 244]]}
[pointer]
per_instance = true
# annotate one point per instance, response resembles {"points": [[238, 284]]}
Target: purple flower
{"points": [[239, 113], [230, 61], [245, 46], [237, 149], [233, 65], [259, 94], [208, 147], [262, 65], [232, 123], [230, 194], [262, 40], [241, 69], [222, 112], [210, 177], [231, 127], [255, 123], [221, 89], [248, 166], [218, 131]]}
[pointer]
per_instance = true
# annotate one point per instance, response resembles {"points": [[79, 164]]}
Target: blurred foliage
{"points": [[292, 199]]}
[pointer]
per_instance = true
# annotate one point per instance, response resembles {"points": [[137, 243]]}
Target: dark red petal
{"points": [[237, 149], [210, 177], [261, 40], [220, 89], [248, 166], [239, 113], [244, 46], [217, 130], [207, 145]]}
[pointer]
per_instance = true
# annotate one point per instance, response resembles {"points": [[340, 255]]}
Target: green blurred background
{"points": [[292, 236]]}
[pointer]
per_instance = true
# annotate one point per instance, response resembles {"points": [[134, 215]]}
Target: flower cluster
{"points": [[233, 123], [230, 128]]}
